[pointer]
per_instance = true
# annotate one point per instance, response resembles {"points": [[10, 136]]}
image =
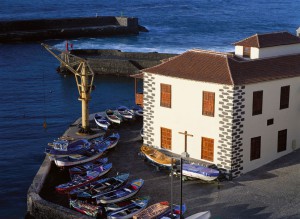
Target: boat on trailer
{"points": [[199, 172]]}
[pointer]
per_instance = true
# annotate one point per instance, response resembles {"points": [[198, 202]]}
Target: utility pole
{"points": [[181, 162]]}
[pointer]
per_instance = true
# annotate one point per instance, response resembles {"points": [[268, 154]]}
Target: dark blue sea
{"points": [[32, 91]]}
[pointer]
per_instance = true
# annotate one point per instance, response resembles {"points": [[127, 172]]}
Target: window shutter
{"points": [[165, 95], [208, 103]]}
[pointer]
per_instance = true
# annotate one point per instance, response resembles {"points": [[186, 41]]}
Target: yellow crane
{"points": [[84, 76]]}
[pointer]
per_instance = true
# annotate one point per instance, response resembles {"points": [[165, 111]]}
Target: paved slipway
{"points": [[271, 191]]}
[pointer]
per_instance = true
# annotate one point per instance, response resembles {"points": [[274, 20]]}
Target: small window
{"points": [[257, 103], [208, 104], [246, 52], [166, 138], [255, 148], [165, 95], [282, 137], [284, 97], [270, 122]]}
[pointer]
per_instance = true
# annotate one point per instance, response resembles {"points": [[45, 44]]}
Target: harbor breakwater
{"points": [[116, 62], [67, 28]]}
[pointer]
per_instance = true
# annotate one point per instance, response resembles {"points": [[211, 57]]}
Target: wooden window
{"points": [[207, 149], [284, 97], [165, 95], [257, 103], [208, 103], [166, 138], [246, 51], [282, 137], [255, 148]]}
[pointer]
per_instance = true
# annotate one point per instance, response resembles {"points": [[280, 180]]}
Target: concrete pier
{"points": [[271, 191], [67, 28]]}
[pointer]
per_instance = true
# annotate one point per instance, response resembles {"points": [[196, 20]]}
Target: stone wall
{"points": [[118, 62], [149, 100], [231, 113]]}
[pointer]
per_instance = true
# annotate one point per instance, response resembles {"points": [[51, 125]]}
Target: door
{"points": [[207, 149]]}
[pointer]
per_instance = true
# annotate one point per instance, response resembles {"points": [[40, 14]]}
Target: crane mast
{"points": [[84, 76]]}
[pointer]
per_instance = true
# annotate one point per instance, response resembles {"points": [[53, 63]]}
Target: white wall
{"points": [[258, 53], [283, 119], [238, 50], [186, 115], [279, 50]]}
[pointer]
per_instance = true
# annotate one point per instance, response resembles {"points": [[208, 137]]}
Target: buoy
{"points": [[45, 124]]}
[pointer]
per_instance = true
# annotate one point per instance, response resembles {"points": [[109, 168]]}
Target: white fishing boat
{"points": [[200, 215], [113, 117], [93, 153], [200, 172], [101, 121], [125, 112]]}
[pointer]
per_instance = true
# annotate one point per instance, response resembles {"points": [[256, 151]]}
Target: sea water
{"points": [[32, 92]]}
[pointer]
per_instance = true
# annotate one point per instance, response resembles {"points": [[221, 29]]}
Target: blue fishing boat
{"points": [[101, 121], [120, 194], [82, 169], [86, 192], [79, 180], [200, 172], [129, 208]]}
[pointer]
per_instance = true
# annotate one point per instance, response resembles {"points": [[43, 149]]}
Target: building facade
{"points": [[242, 109]]}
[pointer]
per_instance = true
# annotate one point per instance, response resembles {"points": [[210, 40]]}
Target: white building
{"points": [[242, 109]]}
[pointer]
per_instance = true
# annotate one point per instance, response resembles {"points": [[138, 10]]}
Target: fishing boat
{"points": [[120, 194], [82, 169], [86, 192], [176, 212], [113, 117], [137, 110], [156, 156], [200, 215], [79, 180], [111, 141], [86, 208], [101, 121], [125, 112], [129, 209], [93, 153], [153, 211], [142, 133], [200, 172], [63, 148]]}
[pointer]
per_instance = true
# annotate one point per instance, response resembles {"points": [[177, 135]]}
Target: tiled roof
{"points": [[269, 40], [225, 68]]}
